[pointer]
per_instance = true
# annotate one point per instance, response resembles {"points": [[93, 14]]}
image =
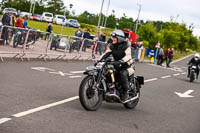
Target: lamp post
{"points": [[70, 6], [138, 17], [63, 20], [31, 7], [98, 27], [107, 13]]}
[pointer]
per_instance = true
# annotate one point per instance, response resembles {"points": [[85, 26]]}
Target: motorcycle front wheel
{"points": [[15, 42], [90, 98], [192, 76]]}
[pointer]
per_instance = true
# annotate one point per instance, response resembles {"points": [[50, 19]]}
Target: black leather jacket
{"points": [[120, 52]]}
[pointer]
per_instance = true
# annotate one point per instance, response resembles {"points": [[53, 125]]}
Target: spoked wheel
{"points": [[132, 104], [15, 41], [89, 96], [192, 76]]}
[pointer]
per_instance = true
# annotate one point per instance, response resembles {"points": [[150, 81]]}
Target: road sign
{"points": [[157, 45]]}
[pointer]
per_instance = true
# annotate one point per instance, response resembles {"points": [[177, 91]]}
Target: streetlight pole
{"points": [[100, 17], [63, 20], [31, 6], [138, 17], [107, 13], [34, 7]]}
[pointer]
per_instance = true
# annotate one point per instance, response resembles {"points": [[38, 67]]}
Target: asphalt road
{"points": [[41, 97]]}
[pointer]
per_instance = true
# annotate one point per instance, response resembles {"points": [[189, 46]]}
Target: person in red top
{"points": [[19, 22], [166, 55]]}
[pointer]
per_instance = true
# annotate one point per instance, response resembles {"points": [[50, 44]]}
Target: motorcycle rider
{"points": [[194, 61], [121, 52]]}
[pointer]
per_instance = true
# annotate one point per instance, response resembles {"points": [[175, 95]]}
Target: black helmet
{"points": [[119, 35]]}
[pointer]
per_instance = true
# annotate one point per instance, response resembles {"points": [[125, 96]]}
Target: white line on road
{"points": [[183, 73], [176, 74], [148, 80], [3, 120], [75, 77], [44, 107], [168, 76], [76, 72]]}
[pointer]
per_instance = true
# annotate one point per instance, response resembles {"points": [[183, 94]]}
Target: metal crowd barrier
{"points": [[39, 44]]}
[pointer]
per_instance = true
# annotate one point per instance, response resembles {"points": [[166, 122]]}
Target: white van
{"points": [[47, 17], [59, 19]]}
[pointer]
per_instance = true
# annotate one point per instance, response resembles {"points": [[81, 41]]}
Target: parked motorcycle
{"points": [[192, 74], [55, 41], [75, 45], [20, 37], [102, 83]]}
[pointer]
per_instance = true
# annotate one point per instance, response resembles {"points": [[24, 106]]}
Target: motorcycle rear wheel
{"points": [[90, 98]]}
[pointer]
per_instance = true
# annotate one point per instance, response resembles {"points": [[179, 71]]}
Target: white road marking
{"points": [[61, 73], [148, 80], [168, 76], [45, 107], [75, 76], [183, 73], [185, 94], [77, 72], [42, 69], [176, 74], [3, 120]]}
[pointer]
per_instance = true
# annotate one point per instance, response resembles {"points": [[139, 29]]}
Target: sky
{"points": [[183, 11]]}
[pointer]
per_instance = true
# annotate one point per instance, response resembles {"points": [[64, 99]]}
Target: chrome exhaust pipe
{"points": [[114, 95]]}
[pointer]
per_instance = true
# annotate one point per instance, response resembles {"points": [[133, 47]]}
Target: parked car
{"points": [[59, 19], [37, 17], [25, 14], [72, 23], [10, 10], [47, 17]]}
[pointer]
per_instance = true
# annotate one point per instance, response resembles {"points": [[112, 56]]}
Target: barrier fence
{"points": [[26, 42]]}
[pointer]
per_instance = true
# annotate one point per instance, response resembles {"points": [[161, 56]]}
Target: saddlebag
{"points": [[140, 79]]}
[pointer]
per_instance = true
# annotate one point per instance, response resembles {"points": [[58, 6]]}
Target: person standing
{"points": [[6, 22], [170, 56], [78, 33], [166, 55], [140, 48], [49, 30], [161, 56], [86, 36], [102, 39], [25, 23], [19, 22]]}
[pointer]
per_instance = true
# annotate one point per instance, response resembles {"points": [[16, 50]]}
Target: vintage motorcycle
{"points": [[192, 74], [101, 83]]}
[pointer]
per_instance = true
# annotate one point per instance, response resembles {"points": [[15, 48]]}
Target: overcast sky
{"points": [[187, 11]]}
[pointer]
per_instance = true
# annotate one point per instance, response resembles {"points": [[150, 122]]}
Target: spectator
{"points": [[140, 48], [86, 36], [19, 22], [102, 39], [6, 22], [170, 56], [12, 20], [136, 51], [78, 33], [161, 56], [133, 49], [25, 23], [49, 30], [166, 55]]}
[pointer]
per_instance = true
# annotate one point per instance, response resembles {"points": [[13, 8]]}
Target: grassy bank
{"points": [[66, 30]]}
